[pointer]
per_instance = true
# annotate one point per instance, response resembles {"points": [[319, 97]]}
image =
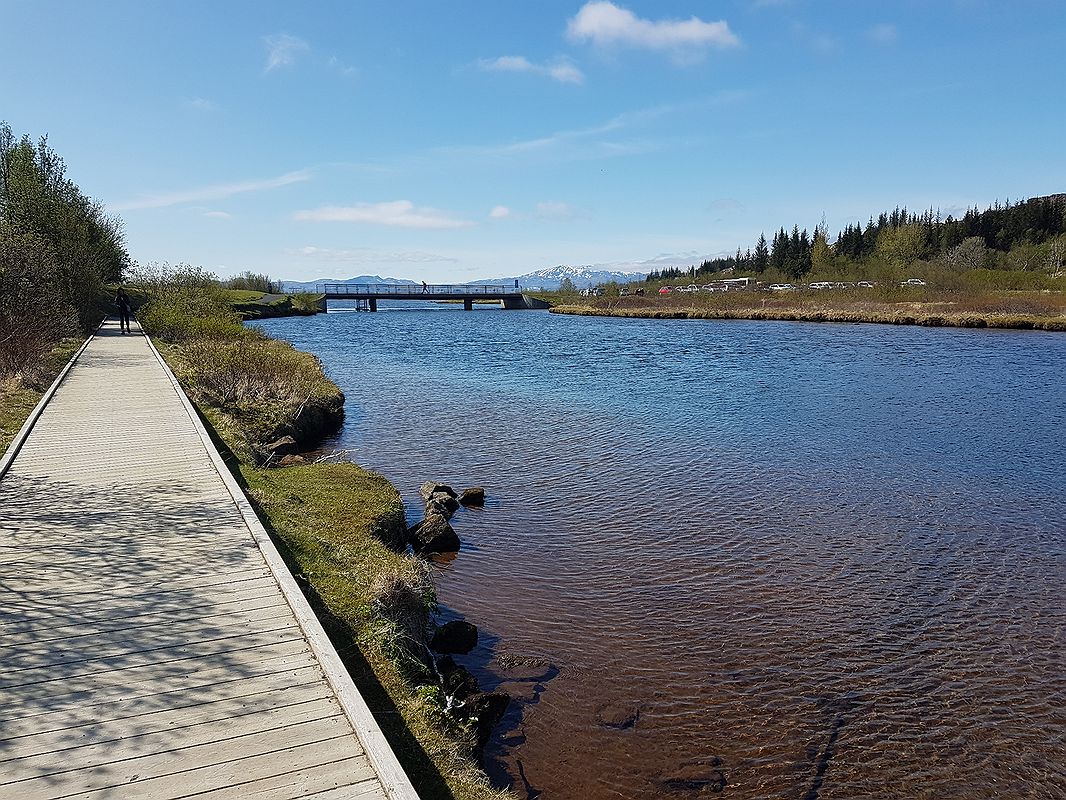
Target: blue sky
{"points": [[458, 140]]}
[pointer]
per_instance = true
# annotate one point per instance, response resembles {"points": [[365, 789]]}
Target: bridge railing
{"points": [[431, 289]]}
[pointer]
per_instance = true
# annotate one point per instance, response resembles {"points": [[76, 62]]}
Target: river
{"points": [[737, 558]]}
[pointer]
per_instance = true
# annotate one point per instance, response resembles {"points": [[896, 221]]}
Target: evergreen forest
{"points": [[1028, 236]]}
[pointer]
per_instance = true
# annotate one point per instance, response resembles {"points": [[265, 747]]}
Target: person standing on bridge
{"points": [[425, 288], [122, 300]]}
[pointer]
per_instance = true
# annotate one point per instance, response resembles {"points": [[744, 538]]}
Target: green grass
{"points": [[18, 395]]}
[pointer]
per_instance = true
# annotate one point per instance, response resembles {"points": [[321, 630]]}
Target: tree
{"points": [[566, 286], [38, 200], [761, 259], [821, 254], [901, 246], [969, 254]]}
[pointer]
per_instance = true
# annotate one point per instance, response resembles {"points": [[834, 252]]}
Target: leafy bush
{"points": [[34, 316], [255, 282]]}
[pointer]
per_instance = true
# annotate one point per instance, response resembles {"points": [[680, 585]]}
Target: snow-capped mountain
{"points": [[309, 286], [550, 278]]}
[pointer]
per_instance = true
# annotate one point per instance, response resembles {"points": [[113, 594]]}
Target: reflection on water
{"points": [[750, 558]]}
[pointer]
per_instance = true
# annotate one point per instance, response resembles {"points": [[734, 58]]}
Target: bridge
{"points": [[369, 293]]}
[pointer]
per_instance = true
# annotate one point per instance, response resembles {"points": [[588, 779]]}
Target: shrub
{"points": [[255, 282], [34, 317]]}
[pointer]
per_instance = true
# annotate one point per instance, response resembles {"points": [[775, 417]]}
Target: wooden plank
{"points": [[281, 705], [224, 780], [116, 614], [197, 676], [360, 791], [228, 648], [354, 778], [202, 765], [40, 589], [155, 633], [282, 676]]}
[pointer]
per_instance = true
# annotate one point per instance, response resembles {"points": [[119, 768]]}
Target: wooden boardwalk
{"points": [[150, 641]]}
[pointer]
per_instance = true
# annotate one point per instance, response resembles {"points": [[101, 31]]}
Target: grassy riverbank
{"points": [[20, 393], [339, 527], [1031, 310]]}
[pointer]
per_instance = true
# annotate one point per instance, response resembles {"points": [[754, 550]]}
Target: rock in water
{"points": [[474, 496], [456, 680], [443, 503], [695, 778], [483, 711], [430, 488], [434, 535], [456, 636]]}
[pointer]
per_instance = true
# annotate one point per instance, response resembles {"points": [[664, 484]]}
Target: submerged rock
{"points": [[457, 636], [618, 715], [434, 535], [695, 777], [474, 496]]}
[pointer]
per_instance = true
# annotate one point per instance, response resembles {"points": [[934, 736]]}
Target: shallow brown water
{"points": [[739, 559]]}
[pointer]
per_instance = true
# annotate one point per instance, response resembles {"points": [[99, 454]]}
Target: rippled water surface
{"points": [[774, 560]]}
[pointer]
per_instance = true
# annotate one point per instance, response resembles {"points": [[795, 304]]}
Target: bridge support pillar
{"points": [[373, 304], [468, 304]]}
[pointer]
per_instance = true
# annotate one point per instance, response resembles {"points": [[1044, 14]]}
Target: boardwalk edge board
{"points": [[24, 432], [394, 780]]}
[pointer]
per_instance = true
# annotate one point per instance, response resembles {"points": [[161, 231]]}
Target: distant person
{"points": [[122, 300], [425, 288]]}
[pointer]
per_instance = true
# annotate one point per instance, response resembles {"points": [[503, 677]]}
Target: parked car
{"points": [[782, 287], [866, 284], [913, 282], [623, 292], [664, 290], [820, 285]]}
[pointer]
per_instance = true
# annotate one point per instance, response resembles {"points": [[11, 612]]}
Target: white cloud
{"points": [[560, 69], [218, 214], [282, 50], [603, 23], [398, 213], [366, 255], [499, 212], [200, 104], [884, 33], [214, 192]]}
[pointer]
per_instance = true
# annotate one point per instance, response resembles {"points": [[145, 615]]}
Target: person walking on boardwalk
{"points": [[425, 288], [122, 300]]}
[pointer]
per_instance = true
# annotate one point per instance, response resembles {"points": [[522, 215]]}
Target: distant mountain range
{"points": [[305, 286], [547, 279], [551, 278]]}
